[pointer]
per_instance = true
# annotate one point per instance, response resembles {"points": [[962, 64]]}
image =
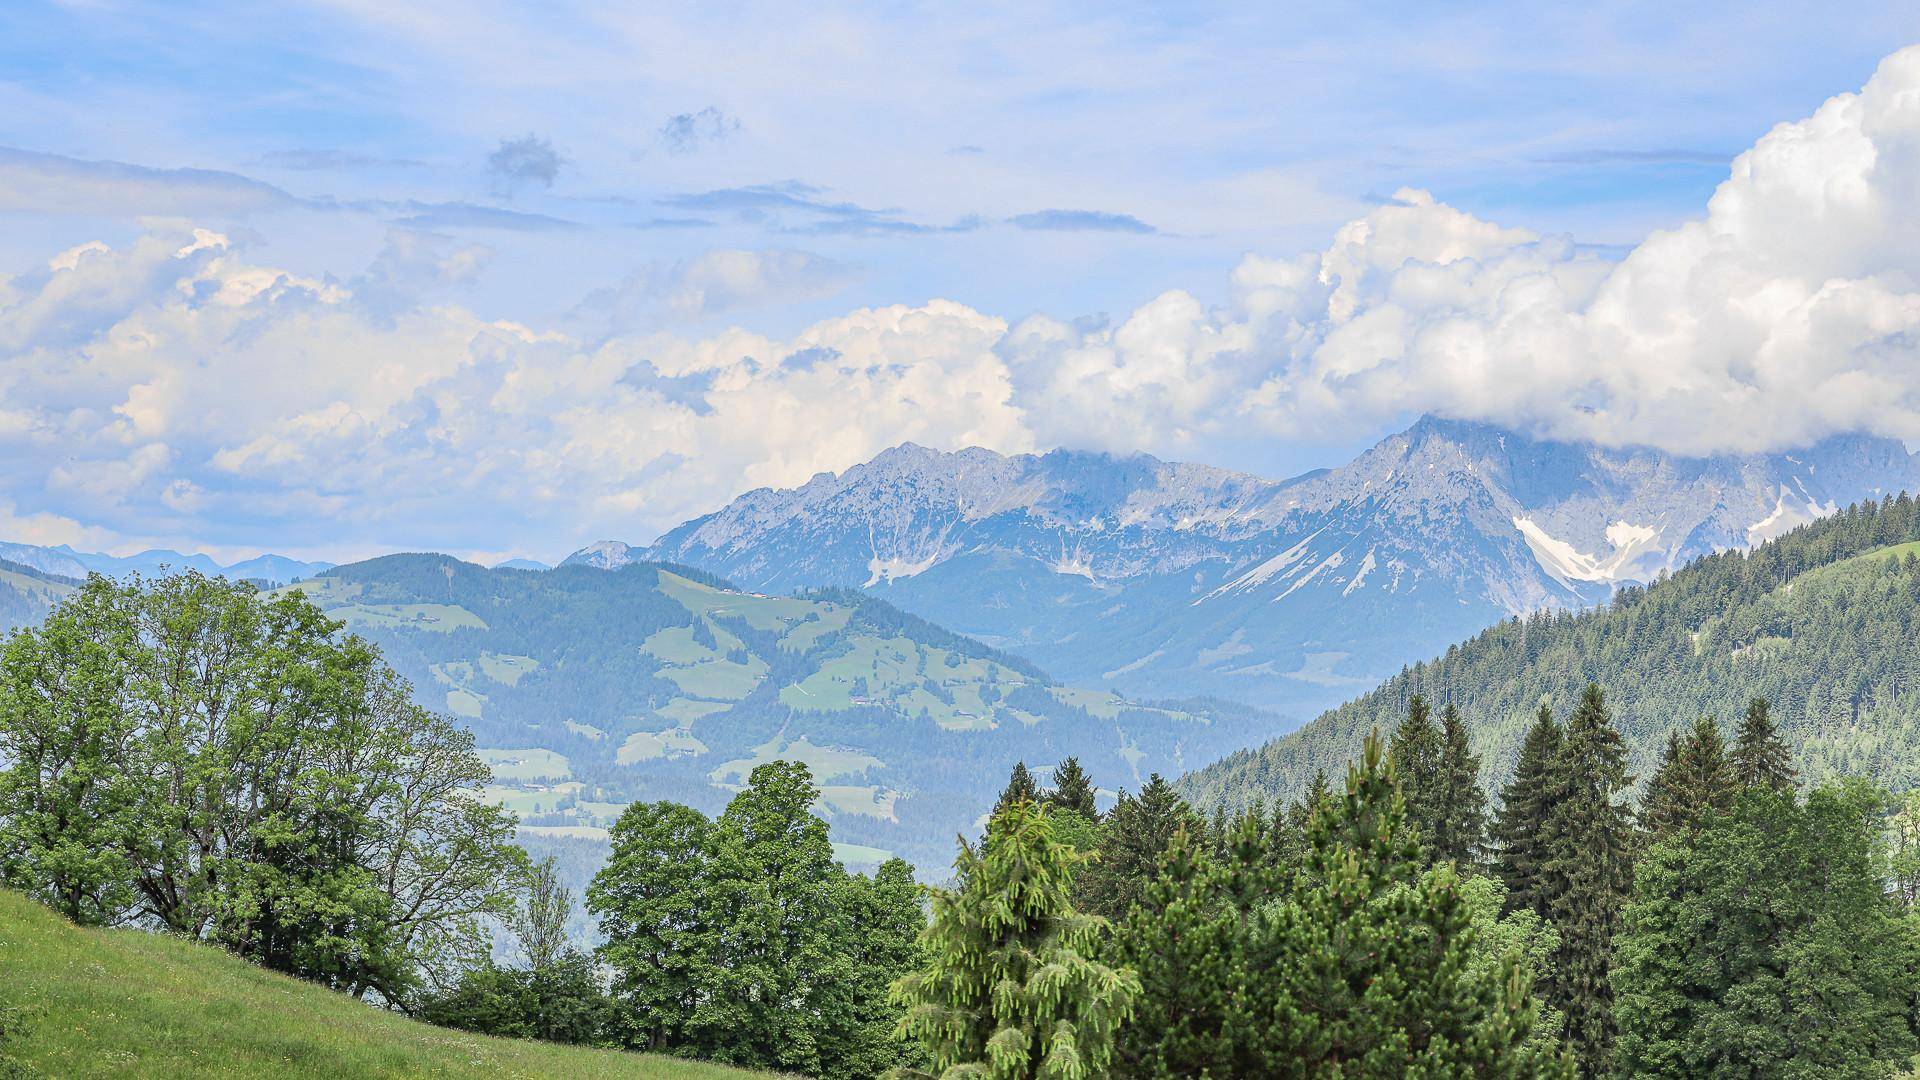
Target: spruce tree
{"points": [[1136, 834], [1694, 779], [1460, 808], [1072, 790], [1010, 989], [1760, 757], [1589, 868], [1415, 756], [1520, 830], [1020, 787]]}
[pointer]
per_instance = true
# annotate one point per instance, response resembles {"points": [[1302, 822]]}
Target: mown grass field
{"points": [[122, 1003]]}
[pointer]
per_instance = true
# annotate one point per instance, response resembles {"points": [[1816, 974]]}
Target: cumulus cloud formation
{"points": [[176, 380], [1789, 312]]}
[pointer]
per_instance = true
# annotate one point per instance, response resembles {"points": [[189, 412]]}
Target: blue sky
{"points": [[567, 213]]}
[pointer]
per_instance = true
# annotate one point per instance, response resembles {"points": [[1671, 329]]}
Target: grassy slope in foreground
{"points": [[127, 1003]]}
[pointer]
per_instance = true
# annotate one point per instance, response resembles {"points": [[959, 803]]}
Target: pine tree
{"points": [[1460, 809], [1136, 834], [1520, 830], [1369, 970], [1010, 990], [1760, 758], [1694, 779], [1589, 868], [1020, 787], [1415, 756], [1072, 790]]}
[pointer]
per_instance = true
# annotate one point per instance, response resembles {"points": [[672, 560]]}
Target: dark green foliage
{"points": [[1760, 759], [1370, 973], [1010, 989], [186, 755], [1838, 655], [1459, 824], [1589, 869], [741, 940], [560, 1002], [1020, 787], [1415, 756], [1520, 831], [1762, 944], [1072, 790], [1134, 837], [1694, 780]]}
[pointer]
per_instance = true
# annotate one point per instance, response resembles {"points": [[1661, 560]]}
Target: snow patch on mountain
{"points": [[1367, 566]]}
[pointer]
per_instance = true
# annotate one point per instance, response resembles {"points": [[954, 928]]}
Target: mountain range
{"points": [[1156, 579], [66, 562], [1823, 622]]}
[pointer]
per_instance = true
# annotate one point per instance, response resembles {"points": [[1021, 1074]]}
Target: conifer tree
{"points": [[1415, 755], [1010, 990], [1694, 779], [1072, 790], [1369, 967], [1136, 835], [1760, 757], [1460, 809], [1589, 868], [1020, 787], [1520, 830]]}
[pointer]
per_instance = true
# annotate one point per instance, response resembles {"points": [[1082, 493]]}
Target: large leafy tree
{"points": [[1011, 988], [742, 940], [1764, 944], [1520, 830], [187, 754], [1589, 870]]}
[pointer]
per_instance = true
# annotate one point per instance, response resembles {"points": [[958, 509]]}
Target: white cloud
{"points": [[175, 386]]}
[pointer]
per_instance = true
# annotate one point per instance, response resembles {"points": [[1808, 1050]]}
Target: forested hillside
{"points": [[1824, 622], [588, 689], [26, 594]]}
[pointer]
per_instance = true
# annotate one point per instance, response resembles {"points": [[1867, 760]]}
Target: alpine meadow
{"points": [[861, 542]]}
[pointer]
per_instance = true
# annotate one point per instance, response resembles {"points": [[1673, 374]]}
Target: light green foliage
{"points": [[185, 754], [1763, 944], [1011, 990], [109, 1004]]}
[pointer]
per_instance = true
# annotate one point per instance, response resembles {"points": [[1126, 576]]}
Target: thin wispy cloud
{"points": [[1081, 221], [688, 133]]}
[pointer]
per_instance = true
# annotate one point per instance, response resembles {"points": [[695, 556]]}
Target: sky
{"points": [[504, 279]]}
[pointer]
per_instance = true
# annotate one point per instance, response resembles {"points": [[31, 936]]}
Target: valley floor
{"points": [[90, 1003]]}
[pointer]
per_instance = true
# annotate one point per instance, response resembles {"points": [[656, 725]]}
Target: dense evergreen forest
{"points": [[1823, 622]]}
